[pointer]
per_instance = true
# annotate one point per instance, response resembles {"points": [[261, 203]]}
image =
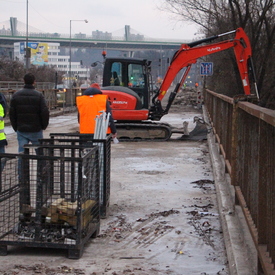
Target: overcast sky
{"points": [[103, 15]]}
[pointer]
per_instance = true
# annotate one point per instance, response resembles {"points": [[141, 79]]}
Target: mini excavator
{"points": [[137, 108]]}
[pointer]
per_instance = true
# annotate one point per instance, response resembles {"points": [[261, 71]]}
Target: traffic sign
{"points": [[206, 68]]}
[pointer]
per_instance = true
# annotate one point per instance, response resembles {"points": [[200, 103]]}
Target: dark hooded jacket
{"points": [[28, 110]]}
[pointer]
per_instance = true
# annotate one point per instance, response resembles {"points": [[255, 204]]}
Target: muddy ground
{"points": [[163, 214]]}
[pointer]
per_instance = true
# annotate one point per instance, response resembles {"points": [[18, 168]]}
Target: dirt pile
{"points": [[187, 97]]}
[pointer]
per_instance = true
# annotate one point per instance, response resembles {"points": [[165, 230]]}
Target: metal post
{"points": [[161, 73], [70, 62], [27, 37]]}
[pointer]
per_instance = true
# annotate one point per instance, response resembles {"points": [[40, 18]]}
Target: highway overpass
{"points": [[7, 42]]}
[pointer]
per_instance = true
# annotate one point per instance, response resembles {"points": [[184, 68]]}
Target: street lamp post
{"points": [[27, 50], [70, 61]]}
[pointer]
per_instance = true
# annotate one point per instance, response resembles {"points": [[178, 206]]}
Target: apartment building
{"points": [[49, 54]]}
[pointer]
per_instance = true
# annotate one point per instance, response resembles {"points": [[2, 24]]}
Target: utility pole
{"points": [[70, 61], [27, 49]]}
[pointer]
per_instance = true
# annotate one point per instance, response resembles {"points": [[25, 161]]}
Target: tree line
{"points": [[14, 70], [214, 17]]}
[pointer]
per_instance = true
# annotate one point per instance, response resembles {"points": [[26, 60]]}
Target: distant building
{"points": [[128, 36], [99, 35], [48, 54], [80, 35], [135, 37]]}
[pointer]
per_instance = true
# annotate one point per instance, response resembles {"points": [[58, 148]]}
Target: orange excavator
{"points": [[137, 108]]}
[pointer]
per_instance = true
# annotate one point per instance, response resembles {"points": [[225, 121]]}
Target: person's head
{"points": [[95, 85], [92, 91], [29, 78]]}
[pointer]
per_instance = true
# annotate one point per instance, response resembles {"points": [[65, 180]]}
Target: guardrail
{"points": [[245, 133], [82, 37], [16, 85], [54, 97]]}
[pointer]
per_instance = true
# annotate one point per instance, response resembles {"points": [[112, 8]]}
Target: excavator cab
{"points": [[129, 76]]}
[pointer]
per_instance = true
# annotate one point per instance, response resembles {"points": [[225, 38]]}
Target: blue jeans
{"points": [[25, 138], [28, 137]]}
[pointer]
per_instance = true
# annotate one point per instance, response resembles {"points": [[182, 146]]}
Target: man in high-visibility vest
{"points": [[90, 105]]}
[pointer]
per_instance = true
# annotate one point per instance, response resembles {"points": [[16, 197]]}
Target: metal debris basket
{"points": [[104, 161], [50, 198]]}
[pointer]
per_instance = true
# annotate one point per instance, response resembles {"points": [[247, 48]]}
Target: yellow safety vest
{"points": [[2, 123]]}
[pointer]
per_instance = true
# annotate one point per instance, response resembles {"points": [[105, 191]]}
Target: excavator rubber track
{"points": [[143, 131]]}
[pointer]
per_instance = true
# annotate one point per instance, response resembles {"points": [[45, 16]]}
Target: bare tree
{"points": [[11, 70], [46, 74], [217, 16]]}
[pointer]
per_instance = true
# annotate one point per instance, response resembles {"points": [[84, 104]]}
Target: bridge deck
{"points": [[165, 215]]}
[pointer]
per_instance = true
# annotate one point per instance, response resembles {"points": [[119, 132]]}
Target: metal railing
{"points": [[54, 97], [245, 133], [16, 85]]}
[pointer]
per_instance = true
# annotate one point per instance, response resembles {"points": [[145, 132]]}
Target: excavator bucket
{"points": [[199, 132]]}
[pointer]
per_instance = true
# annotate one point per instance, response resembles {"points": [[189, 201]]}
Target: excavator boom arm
{"points": [[186, 56]]}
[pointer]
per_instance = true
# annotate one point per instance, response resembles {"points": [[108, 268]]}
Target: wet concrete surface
{"points": [[163, 215]]}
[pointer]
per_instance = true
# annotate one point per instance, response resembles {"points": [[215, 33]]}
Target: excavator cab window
{"points": [[137, 81], [136, 76], [116, 77]]}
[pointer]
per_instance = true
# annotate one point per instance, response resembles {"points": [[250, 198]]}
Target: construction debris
{"points": [[61, 213]]}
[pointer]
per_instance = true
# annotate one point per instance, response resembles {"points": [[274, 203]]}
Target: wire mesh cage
{"points": [[50, 198], [104, 160], [9, 199]]}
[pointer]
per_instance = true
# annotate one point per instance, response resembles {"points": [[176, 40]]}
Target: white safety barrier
{"points": [[101, 125]]}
